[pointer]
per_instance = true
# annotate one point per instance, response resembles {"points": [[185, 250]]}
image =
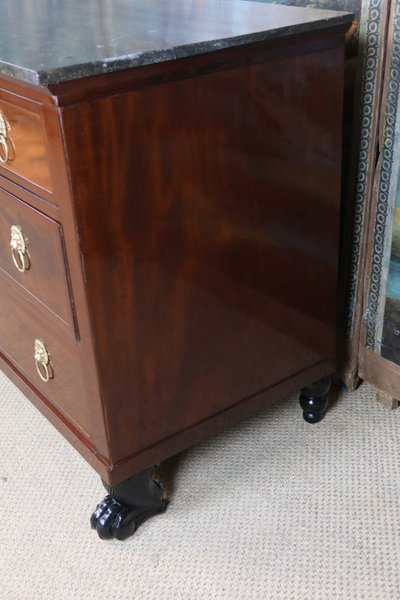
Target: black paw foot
{"points": [[111, 519], [127, 506], [314, 400]]}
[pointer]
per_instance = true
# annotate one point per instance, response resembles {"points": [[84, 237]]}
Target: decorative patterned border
{"points": [[383, 199], [369, 71]]}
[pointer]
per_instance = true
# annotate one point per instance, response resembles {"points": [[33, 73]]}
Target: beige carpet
{"points": [[273, 509]]}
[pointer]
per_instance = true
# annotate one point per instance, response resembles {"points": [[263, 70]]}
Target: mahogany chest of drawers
{"points": [[169, 227]]}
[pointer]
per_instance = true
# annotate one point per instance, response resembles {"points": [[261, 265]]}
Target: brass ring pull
{"points": [[19, 249], [4, 149], [42, 360], [21, 260], [43, 370]]}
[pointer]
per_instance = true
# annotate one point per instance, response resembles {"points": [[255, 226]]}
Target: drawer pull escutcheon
{"points": [[19, 249], [42, 359], [5, 139]]}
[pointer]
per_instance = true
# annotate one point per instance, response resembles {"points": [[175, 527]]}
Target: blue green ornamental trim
{"points": [[369, 69], [384, 183]]}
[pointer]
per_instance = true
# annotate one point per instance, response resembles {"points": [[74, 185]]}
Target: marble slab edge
{"points": [[47, 77]]}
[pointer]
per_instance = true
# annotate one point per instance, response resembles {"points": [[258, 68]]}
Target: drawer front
{"points": [[20, 327], [32, 254], [23, 144]]}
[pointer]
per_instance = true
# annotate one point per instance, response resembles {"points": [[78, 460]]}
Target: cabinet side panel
{"points": [[207, 212]]}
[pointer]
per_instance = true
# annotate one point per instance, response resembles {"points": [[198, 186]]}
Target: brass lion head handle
{"points": [[42, 360], [6, 143], [19, 249]]}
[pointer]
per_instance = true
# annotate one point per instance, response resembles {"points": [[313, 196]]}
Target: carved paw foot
{"points": [[127, 505], [111, 519]]}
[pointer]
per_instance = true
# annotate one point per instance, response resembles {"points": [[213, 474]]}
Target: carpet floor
{"points": [[273, 509]]}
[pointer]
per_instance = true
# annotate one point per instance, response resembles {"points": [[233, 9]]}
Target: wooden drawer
{"points": [[45, 277], [20, 327], [25, 144]]}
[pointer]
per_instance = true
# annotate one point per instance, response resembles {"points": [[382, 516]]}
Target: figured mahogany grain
{"points": [[207, 214]]}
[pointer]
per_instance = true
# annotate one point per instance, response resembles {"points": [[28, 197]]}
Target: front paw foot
{"points": [[127, 505], [111, 519]]}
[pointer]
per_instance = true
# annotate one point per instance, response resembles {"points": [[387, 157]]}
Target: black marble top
{"points": [[49, 41]]}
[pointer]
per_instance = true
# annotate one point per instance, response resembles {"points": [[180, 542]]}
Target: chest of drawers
{"points": [[169, 231]]}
